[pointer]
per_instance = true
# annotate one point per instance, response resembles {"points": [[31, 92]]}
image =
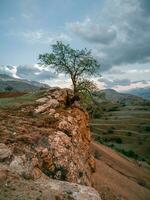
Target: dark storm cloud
{"points": [[129, 32]]}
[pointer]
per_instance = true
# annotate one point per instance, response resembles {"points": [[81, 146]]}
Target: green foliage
{"points": [[129, 153], [113, 108], [75, 63], [20, 100], [146, 128], [110, 130], [118, 140], [85, 89], [8, 88], [126, 130], [97, 114], [129, 134]]}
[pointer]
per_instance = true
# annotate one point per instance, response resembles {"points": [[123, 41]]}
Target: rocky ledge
{"points": [[50, 140]]}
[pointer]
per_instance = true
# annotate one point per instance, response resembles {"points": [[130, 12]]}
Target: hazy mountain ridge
{"points": [[19, 84], [114, 96], [141, 92]]}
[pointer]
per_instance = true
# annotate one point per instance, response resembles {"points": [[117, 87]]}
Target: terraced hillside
{"points": [[126, 130]]}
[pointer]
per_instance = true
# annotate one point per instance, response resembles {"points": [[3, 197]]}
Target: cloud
{"points": [[92, 32], [9, 70], [116, 71], [42, 37], [134, 72], [35, 72], [123, 84], [27, 16], [121, 33], [131, 71], [26, 71], [133, 85], [145, 5], [112, 83]]}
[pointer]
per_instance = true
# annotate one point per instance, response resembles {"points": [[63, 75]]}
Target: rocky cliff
{"points": [[49, 139]]}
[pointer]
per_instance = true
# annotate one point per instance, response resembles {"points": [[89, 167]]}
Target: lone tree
{"points": [[75, 63]]}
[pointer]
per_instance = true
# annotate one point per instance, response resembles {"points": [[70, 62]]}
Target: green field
{"points": [[20, 99], [126, 130]]}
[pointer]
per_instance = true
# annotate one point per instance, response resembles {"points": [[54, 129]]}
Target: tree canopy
{"points": [[75, 63]]}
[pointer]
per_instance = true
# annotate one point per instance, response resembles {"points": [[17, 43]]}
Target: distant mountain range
{"points": [[141, 92], [8, 83], [114, 96]]}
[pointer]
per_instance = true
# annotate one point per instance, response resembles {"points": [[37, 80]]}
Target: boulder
{"points": [[69, 191], [5, 152], [51, 103], [14, 187], [42, 100], [27, 170]]}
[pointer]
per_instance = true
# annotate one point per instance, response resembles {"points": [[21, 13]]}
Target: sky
{"points": [[117, 32]]}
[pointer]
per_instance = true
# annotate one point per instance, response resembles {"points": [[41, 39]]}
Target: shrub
{"points": [[118, 140], [147, 128], [110, 130], [111, 145], [97, 115], [114, 108], [141, 182], [129, 153], [8, 88], [80, 174], [97, 154], [129, 133]]}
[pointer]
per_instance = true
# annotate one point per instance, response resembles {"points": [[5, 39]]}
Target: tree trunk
{"points": [[74, 85]]}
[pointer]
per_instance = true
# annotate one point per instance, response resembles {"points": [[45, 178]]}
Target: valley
{"points": [[126, 130]]}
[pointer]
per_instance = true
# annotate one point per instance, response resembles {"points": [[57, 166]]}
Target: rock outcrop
{"points": [[14, 187], [65, 155], [51, 141]]}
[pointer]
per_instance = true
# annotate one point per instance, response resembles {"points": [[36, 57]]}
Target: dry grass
{"points": [[119, 178]]}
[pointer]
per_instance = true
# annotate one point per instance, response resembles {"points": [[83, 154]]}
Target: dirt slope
{"points": [[116, 177]]}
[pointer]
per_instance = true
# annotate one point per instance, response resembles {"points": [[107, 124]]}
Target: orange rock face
{"points": [[66, 156], [54, 140]]}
